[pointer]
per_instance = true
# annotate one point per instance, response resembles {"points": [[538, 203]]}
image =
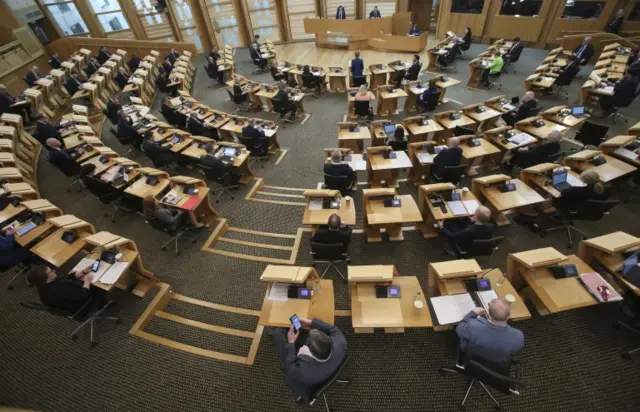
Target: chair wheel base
{"points": [[625, 355], [178, 253], [194, 241], [462, 408]]}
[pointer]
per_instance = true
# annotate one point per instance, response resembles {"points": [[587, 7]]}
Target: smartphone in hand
{"points": [[295, 321]]}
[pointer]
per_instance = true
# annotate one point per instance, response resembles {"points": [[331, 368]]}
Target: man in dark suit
{"points": [[571, 69], [623, 93], [159, 155], [461, 232], [124, 128], [69, 293], [340, 13], [253, 132], [375, 13], [134, 62], [73, 84], [121, 78], [33, 76], [283, 97], [211, 159], [10, 252], [92, 67], [55, 61], [585, 51], [409, 74], [451, 156], [167, 66], [515, 50], [357, 65], [334, 232], [337, 168], [212, 70], [195, 126], [45, 130], [524, 110], [113, 109], [538, 153], [103, 55], [309, 359], [173, 55], [616, 23], [10, 104], [256, 56], [63, 160]]}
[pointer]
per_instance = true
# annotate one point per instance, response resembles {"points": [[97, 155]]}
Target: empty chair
{"points": [[240, 100], [176, 234], [341, 183], [591, 134], [223, 175], [451, 174], [462, 131], [105, 193], [330, 254], [258, 149]]}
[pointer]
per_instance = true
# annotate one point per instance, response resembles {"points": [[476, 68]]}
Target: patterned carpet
{"points": [[570, 361]]}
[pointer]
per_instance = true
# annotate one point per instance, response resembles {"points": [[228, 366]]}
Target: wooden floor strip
{"points": [[255, 232], [156, 304], [225, 308], [205, 326], [278, 202], [262, 192], [283, 153], [250, 257], [191, 349], [291, 189], [254, 345], [254, 244], [342, 312]]}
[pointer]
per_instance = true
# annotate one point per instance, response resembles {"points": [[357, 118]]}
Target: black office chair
{"points": [[481, 373], [75, 176], [358, 81], [176, 234], [170, 114], [223, 175], [320, 391], [330, 254], [493, 80], [591, 134], [478, 247], [591, 210], [362, 109], [462, 131], [398, 145], [132, 143], [20, 270], [466, 45], [258, 60], [106, 193], [631, 311], [282, 110], [443, 62], [341, 183], [451, 174], [430, 105], [310, 82], [535, 111], [616, 113], [560, 85], [239, 100], [259, 152]]}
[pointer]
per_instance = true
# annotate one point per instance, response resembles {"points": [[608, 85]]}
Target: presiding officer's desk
{"points": [[352, 136], [393, 314], [316, 214], [422, 129], [276, 313], [486, 189], [529, 273], [624, 148], [607, 251], [382, 168], [378, 216], [609, 171], [434, 215]]}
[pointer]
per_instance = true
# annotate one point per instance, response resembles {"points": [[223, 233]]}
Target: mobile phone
{"points": [[296, 323], [95, 266]]}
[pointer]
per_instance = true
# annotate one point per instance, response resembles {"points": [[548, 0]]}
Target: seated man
{"points": [[460, 232], [409, 74], [282, 96], [570, 71], [92, 67], [335, 232], [55, 61], [495, 66], [159, 155], [527, 104], [538, 153], [623, 93], [195, 126], [450, 156], [276, 73], [114, 108], [515, 50], [69, 293], [124, 128], [63, 160], [134, 62], [10, 104], [45, 130], [212, 70], [33, 76], [211, 158], [73, 84], [421, 100], [252, 131], [487, 336], [338, 168], [309, 359], [585, 51], [103, 55], [10, 252]]}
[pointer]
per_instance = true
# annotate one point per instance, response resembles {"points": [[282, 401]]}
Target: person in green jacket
{"points": [[494, 67]]}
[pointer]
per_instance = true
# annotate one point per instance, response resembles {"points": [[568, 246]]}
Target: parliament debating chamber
{"points": [[330, 205]]}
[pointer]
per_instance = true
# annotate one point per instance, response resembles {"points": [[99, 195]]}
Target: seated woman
{"points": [[363, 94], [276, 73], [169, 216], [398, 140], [421, 100], [575, 197]]}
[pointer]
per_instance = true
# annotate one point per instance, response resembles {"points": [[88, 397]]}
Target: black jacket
{"points": [[55, 63], [46, 130], [375, 14], [173, 57], [525, 109], [536, 154], [112, 111], [32, 77], [413, 71], [168, 68], [195, 127], [624, 90], [515, 50], [134, 62], [252, 132], [125, 130], [451, 156], [615, 25], [72, 85], [329, 237], [103, 56], [157, 153], [462, 238], [341, 14], [64, 162], [338, 169], [574, 198], [5, 102], [64, 293], [586, 54]]}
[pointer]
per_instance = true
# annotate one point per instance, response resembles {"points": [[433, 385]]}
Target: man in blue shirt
{"points": [[486, 335], [357, 65]]}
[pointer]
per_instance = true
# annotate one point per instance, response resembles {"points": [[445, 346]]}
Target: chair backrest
{"points": [[398, 145], [318, 391], [591, 134], [216, 171], [340, 183], [432, 102], [484, 247], [453, 174], [504, 383], [333, 252], [362, 107], [359, 80], [103, 191], [309, 80], [247, 142], [535, 111], [595, 209], [278, 106], [461, 131], [260, 147]]}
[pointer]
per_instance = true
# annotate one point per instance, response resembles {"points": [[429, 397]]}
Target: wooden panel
{"points": [[13, 78], [28, 40], [349, 7], [264, 19], [458, 22], [562, 26], [122, 34], [422, 14], [527, 28], [297, 11], [223, 18], [369, 28], [401, 23]]}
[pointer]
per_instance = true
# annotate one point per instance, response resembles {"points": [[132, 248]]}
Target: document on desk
{"points": [[269, 132], [315, 203], [425, 158], [360, 165], [84, 263], [279, 292], [574, 181], [486, 296], [607, 90], [509, 107], [521, 139], [144, 111], [470, 205], [626, 153], [457, 208], [452, 308], [113, 274]]}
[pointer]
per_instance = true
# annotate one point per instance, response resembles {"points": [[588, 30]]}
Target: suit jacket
{"points": [[525, 109], [168, 68], [67, 293], [338, 169], [55, 63], [195, 127], [209, 160], [112, 111], [585, 54], [451, 156], [341, 14], [72, 85], [103, 56], [462, 238], [253, 133], [125, 130], [537, 154], [515, 50], [413, 71], [615, 25], [414, 32], [375, 14], [282, 97], [92, 68], [64, 161], [157, 153], [634, 68], [134, 62], [570, 70], [46, 130], [357, 66], [575, 197], [5, 102], [302, 373], [31, 78], [624, 90], [173, 57], [330, 237]]}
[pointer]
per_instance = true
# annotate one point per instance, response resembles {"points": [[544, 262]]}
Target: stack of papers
{"points": [[608, 89], [452, 308], [279, 292], [269, 132], [144, 111], [626, 153], [112, 275], [457, 208], [470, 205], [426, 158], [360, 165], [315, 204], [574, 181], [508, 107], [486, 296], [521, 139]]}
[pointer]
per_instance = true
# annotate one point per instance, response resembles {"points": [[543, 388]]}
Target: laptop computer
{"points": [[578, 111], [390, 129], [559, 180]]}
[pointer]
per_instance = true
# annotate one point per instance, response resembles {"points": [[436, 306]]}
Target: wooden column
{"points": [[201, 26], [283, 20], [244, 23], [208, 25], [90, 19], [421, 14], [131, 14], [9, 23]]}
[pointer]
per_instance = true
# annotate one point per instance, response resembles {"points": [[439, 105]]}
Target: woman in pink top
{"points": [[363, 94]]}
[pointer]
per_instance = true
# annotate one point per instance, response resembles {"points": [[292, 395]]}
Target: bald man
{"points": [[485, 335], [537, 153], [335, 232], [451, 156], [585, 51], [524, 110], [461, 232], [32, 77]]}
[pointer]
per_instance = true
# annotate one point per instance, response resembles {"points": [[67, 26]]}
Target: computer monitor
{"points": [[390, 129], [229, 151], [577, 111], [630, 263], [559, 177]]}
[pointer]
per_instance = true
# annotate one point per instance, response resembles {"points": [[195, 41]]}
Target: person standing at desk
{"points": [[375, 13], [68, 293], [33, 76], [585, 51], [283, 97], [357, 65], [309, 358], [495, 66], [623, 93], [335, 232], [527, 105], [616, 23], [414, 30], [421, 100], [103, 55], [338, 168], [538, 153], [462, 231], [169, 216], [570, 70], [167, 66], [340, 13], [487, 336], [450, 156]]}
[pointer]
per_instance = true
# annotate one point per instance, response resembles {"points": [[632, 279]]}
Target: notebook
{"points": [[191, 203], [452, 308], [599, 288], [457, 208]]}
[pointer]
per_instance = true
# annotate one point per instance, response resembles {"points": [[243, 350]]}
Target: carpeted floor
{"points": [[571, 360]]}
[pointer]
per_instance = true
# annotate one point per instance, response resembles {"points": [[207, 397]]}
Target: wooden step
{"points": [[143, 286]]}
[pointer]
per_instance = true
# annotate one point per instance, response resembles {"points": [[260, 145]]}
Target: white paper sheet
{"points": [[470, 205], [114, 272], [457, 208], [360, 165], [269, 132], [279, 292], [626, 153], [574, 181], [315, 204], [425, 158], [486, 296], [452, 308]]}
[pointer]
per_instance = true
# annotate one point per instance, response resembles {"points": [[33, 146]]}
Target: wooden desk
{"points": [[10, 212], [419, 132], [240, 161], [483, 118], [141, 189], [388, 105], [431, 215], [421, 161], [392, 314], [543, 132], [378, 216], [477, 66], [539, 177], [347, 210], [337, 79], [444, 85], [559, 115], [203, 210], [371, 273], [55, 250], [450, 124], [617, 147], [353, 140], [608, 171], [474, 157], [438, 272], [381, 169], [499, 202], [379, 75]]}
